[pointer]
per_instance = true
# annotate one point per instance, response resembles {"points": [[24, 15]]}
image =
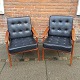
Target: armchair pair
{"points": [[19, 37]]}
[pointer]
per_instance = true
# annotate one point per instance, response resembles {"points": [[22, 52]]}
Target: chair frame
{"points": [[7, 44], [73, 40]]}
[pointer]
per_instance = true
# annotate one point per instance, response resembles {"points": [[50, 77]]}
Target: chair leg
{"points": [[10, 61], [38, 54], [42, 53]]}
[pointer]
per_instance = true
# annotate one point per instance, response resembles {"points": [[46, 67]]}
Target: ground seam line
{"points": [[2, 67], [46, 71]]}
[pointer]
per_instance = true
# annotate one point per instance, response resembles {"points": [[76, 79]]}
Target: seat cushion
{"points": [[22, 44], [58, 43]]}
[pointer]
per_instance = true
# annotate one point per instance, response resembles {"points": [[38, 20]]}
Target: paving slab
{"points": [[48, 53], [16, 57], [31, 54], [77, 49], [60, 70], [1, 66], [31, 70], [3, 51]]}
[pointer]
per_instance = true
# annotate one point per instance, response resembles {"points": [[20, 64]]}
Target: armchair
{"points": [[61, 35], [19, 37]]}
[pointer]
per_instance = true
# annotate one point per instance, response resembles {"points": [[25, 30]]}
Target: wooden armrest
{"points": [[34, 32], [73, 34], [6, 37], [45, 32]]}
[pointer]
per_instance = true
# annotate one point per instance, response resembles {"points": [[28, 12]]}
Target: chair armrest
{"points": [[34, 32], [73, 34], [7, 37], [45, 32]]}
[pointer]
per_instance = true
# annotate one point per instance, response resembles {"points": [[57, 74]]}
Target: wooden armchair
{"points": [[61, 35], [19, 37]]}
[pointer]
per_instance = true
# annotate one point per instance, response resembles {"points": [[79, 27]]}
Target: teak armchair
{"points": [[61, 35], [19, 36]]}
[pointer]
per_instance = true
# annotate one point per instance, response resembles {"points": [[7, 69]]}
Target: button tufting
{"points": [[19, 23], [14, 31], [53, 28], [66, 29], [53, 21], [26, 28], [20, 30], [63, 43], [60, 21], [25, 22], [12, 23], [15, 45], [67, 21], [59, 28]]}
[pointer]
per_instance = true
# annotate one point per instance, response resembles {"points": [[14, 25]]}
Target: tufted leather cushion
{"points": [[58, 43], [19, 27], [22, 44], [60, 25]]}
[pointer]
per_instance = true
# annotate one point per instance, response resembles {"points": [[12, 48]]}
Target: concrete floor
{"points": [[60, 70], [41, 70], [50, 69]]}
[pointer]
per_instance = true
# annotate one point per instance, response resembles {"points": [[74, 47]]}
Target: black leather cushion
{"points": [[60, 25], [22, 44], [19, 27], [58, 43]]}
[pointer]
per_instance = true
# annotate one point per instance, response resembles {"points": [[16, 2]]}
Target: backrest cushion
{"points": [[19, 27], [60, 25]]}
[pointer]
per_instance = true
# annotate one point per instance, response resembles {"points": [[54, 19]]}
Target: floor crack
{"points": [[2, 67], [46, 71]]}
